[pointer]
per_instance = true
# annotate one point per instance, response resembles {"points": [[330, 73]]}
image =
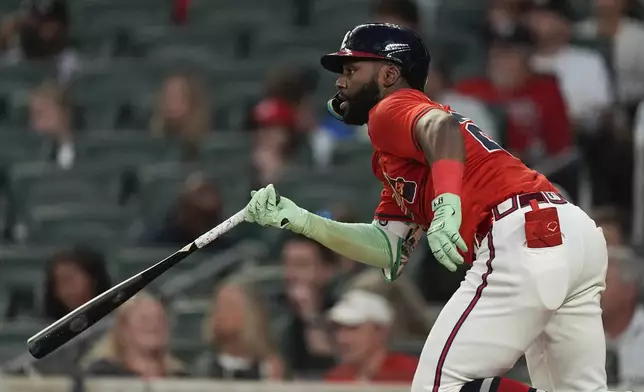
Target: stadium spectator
{"points": [[41, 33], [612, 164], [551, 24], [440, 87], [504, 16], [537, 123], [412, 315], [625, 35], [197, 210], [73, 277], [612, 223], [363, 324], [401, 12], [305, 343], [623, 317], [238, 336], [182, 113], [137, 345], [281, 121], [50, 116]]}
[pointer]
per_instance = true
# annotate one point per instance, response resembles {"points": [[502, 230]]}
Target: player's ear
{"points": [[390, 75]]}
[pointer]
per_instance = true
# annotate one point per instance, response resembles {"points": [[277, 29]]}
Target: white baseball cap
{"points": [[359, 306]]}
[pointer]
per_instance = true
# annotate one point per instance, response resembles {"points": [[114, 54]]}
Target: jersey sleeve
{"points": [[392, 125]]}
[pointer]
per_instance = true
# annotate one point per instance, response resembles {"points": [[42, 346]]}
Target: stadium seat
{"points": [[129, 148], [13, 337], [77, 223], [190, 323], [467, 14], [132, 260], [23, 276], [260, 15], [43, 182], [233, 101], [18, 145]]}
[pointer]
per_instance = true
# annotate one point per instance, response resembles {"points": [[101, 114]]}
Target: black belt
{"points": [[520, 201]]}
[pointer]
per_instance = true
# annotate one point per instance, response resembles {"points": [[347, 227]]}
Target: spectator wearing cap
{"points": [[400, 12], [583, 75], [42, 34], [537, 122], [281, 120], [363, 322], [627, 54]]}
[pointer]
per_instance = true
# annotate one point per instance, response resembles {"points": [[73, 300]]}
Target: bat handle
{"points": [[284, 221]]}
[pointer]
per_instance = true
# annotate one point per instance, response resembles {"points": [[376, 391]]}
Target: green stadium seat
{"points": [[277, 41], [26, 75], [129, 148], [259, 15], [467, 14], [186, 350], [43, 182], [339, 17], [190, 324], [23, 275], [78, 223], [13, 338], [232, 103], [132, 260], [19, 145]]}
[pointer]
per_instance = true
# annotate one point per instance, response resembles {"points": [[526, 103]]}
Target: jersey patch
{"points": [[404, 191]]}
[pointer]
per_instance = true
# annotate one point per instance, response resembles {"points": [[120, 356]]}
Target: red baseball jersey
{"points": [[491, 174]]}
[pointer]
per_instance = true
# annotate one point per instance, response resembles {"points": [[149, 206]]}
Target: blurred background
{"points": [[130, 127]]}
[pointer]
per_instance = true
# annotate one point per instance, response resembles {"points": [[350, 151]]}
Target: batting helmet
{"points": [[383, 41]]}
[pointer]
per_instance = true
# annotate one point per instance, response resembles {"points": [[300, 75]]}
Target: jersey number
{"points": [[487, 142]]}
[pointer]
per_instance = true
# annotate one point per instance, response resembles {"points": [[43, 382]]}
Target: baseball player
{"points": [[538, 262]]}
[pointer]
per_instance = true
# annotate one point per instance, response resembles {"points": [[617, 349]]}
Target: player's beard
{"points": [[356, 109]]}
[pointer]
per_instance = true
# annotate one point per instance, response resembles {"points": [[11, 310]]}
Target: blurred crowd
{"points": [[559, 88]]}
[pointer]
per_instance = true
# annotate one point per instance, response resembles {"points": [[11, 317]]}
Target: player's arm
{"points": [[379, 244], [438, 135]]}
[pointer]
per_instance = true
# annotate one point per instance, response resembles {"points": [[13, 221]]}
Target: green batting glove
{"points": [[443, 235], [265, 211]]}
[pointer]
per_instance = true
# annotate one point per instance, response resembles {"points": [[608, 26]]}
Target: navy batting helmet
{"points": [[383, 41]]}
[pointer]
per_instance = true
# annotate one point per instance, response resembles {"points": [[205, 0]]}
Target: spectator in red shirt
{"points": [[537, 125], [363, 320]]}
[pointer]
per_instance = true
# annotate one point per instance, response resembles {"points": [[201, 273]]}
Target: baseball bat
{"points": [[71, 325]]}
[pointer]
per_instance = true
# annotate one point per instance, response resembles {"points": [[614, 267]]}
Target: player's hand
{"points": [[264, 210], [443, 233]]}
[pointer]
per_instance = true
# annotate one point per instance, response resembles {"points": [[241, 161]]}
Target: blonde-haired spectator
{"points": [[137, 345], [182, 112], [238, 335], [50, 115]]}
